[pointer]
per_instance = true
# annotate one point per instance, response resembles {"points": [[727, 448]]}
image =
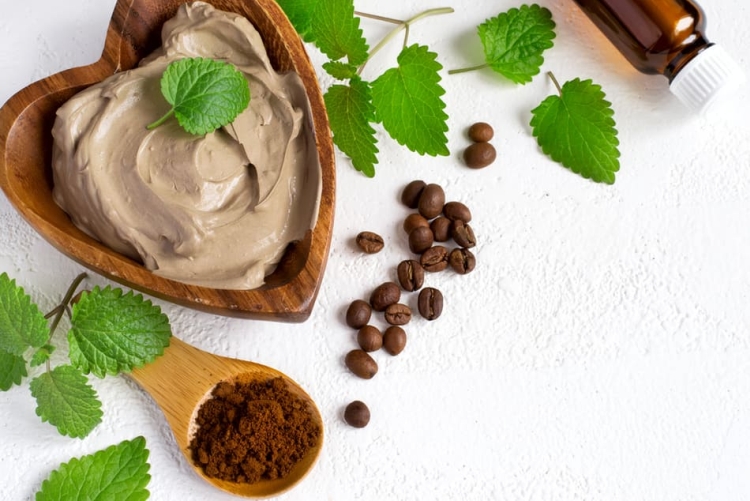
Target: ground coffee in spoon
{"points": [[248, 432]]}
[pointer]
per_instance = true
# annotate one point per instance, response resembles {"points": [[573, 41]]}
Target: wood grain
{"points": [[26, 178], [181, 379]]}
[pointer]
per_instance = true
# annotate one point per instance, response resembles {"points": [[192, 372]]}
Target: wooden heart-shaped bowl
{"points": [[134, 31]]}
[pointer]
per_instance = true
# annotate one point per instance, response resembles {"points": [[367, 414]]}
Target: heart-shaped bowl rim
{"points": [[134, 31]]}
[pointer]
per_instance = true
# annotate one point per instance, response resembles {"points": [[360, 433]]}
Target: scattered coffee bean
{"points": [[430, 303], [481, 132], [410, 275], [441, 228], [412, 192], [357, 414], [358, 314], [398, 314], [369, 338], [479, 155], [434, 259], [457, 210], [462, 261], [384, 295], [463, 234], [394, 340], [414, 221], [431, 201], [361, 364], [370, 242], [420, 239]]}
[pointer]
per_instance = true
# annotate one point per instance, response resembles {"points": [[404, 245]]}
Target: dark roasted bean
{"points": [[398, 314], [462, 261], [481, 132], [431, 201], [414, 221], [357, 414], [369, 338], [410, 275], [434, 259], [479, 155], [412, 192], [370, 242], [457, 210], [384, 295], [441, 228], [420, 239], [430, 303], [358, 314], [463, 234], [361, 364], [394, 340]]}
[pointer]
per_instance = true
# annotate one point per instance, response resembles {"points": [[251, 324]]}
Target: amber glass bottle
{"points": [[667, 37]]}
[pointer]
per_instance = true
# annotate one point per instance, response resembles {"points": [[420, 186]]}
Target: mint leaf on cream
{"points": [[205, 94]]}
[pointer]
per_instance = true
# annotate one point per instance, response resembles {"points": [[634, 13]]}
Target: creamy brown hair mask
{"points": [[215, 210]]}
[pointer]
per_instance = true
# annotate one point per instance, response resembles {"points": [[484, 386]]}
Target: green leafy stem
{"points": [[402, 25]]}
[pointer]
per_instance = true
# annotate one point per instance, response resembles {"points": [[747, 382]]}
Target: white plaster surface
{"points": [[600, 350]]}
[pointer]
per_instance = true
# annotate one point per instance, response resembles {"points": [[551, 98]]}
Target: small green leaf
{"points": [[340, 70], [119, 472], [205, 94], [515, 40], [300, 14], [65, 399], [577, 129], [113, 333], [42, 355], [350, 112], [12, 369], [22, 325], [408, 102], [335, 31]]}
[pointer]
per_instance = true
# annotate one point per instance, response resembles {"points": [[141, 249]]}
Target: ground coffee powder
{"points": [[248, 432]]}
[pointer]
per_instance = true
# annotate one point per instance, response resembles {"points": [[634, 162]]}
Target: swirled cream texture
{"points": [[215, 210]]}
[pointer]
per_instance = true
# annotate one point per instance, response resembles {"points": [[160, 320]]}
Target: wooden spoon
{"points": [[181, 379]]}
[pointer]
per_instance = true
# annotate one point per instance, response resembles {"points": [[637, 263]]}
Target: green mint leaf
{"points": [[350, 112], [65, 399], [22, 325], [515, 40], [408, 102], [577, 129], [41, 355], [119, 472], [113, 333], [340, 70], [205, 94], [335, 31], [12, 370], [300, 14]]}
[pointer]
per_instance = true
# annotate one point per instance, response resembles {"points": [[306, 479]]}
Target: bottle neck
{"points": [[686, 55]]}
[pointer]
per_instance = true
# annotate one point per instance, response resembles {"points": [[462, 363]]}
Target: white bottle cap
{"points": [[709, 75]]}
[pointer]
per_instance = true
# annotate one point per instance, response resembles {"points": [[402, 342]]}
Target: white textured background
{"points": [[598, 352]]}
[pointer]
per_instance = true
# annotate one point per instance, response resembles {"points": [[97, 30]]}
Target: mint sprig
{"points": [[205, 94], [111, 332], [514, 42], [119, 472], [576, 128], [406, 100]]}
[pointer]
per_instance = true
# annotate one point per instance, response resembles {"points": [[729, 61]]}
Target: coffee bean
{"points": [[431, 201], [430, 303], [357, 414], [398, 314], [369, 338], [370, 242], [358, 314], [481, 132], [394, 340], [479, 155], [420, 239], [414, 221], [410, 275], [462, 261], [463, 234], [457, 210], [412, 192], [361, 364], [441, 228], [434, 259], [384, 295]]}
